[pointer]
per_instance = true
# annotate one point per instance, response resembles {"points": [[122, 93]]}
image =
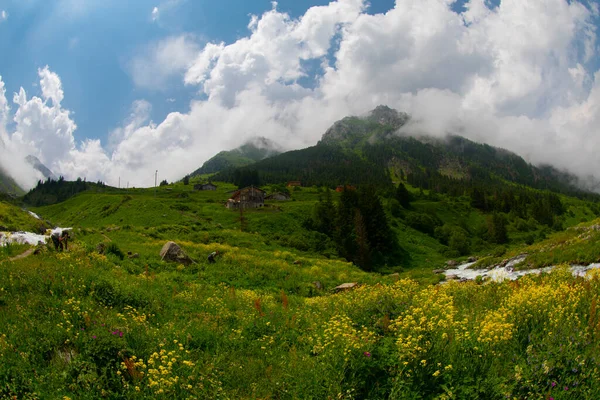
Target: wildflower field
{"points": [[263, 321], [84, 325]]}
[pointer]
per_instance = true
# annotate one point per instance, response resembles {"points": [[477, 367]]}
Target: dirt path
{"points": [[22, 255]]}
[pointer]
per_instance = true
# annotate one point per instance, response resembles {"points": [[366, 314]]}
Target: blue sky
{"points": [[165, 84], [90, 45]]}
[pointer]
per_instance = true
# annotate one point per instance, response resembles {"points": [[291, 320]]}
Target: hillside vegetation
{"points": [[250, 152], [382, 212], [263, 321]]}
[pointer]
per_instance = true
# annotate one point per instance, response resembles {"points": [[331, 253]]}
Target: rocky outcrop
{"points": [[171, 252]]}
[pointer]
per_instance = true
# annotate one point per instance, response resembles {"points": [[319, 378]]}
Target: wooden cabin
{"points": [[248, 197], [341, 188]]}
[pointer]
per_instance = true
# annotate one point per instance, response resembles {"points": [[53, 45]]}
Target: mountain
{"points": [[8, 184], [255, 149], [375, 149], [37, 164]]}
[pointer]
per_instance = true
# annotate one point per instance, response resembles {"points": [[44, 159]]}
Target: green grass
{"points": [[264, 321], [12, 218]]}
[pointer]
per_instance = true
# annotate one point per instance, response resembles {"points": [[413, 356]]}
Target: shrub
{"points": [[112, 248]]}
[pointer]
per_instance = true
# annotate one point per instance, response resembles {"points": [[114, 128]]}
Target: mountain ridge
{"points": [[253, 150], [370, 149]]}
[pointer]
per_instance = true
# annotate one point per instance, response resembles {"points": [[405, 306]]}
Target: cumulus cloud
{"points": [[519, 75], [3, 15], [157, 63], [155, 14]]}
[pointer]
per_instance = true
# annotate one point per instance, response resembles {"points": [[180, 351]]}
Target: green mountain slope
{"points": [[254, 150], [372, 149], [8, 185]]}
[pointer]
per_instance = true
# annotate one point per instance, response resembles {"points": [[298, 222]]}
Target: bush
{"points": [[423, 222], [112, 248]]}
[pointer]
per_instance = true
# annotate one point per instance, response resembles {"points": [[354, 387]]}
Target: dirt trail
{"points": [[22, 255]]}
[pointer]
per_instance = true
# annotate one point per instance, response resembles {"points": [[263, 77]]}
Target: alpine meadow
{"points": [[300, 199]]}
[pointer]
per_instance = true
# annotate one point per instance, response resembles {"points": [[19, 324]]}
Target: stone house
{"points": [[248, 197]]}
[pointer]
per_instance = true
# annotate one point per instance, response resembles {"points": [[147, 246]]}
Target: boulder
{"points": [[451, 263], [134, 255], [318, 285], [171, 252], [451, 277], [471, 259], [345, 286], [438, 271]]}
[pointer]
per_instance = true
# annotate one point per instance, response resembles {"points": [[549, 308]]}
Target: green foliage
{"points": [[497, 229], [403, 196], [56, 191], [112, 248], [423, 222], [246, 154]]}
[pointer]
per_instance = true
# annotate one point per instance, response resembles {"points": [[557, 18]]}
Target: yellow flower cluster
{"points": [[342, 338], [160, 375], [431, 318], [494, 329]]}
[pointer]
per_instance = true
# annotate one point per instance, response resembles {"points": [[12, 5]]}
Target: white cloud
{"points": [[155, 14], [517, 76], [161, 61], [3, 15]]}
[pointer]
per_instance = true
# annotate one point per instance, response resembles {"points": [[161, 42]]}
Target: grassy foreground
{"points": [[86, 326], [264, 323]]}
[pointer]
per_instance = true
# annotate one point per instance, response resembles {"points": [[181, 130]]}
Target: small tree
{"points": [[164, 183], [186, 180]]}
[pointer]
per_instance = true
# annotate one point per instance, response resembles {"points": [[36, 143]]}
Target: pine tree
{"points": [[403, 196]]}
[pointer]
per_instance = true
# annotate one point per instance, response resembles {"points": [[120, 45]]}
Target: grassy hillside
{"points": [[8, 185], [13, 218], [254, 150], [255, 324]]}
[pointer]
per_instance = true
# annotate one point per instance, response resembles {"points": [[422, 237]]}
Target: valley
{"points": [[111, 318]]}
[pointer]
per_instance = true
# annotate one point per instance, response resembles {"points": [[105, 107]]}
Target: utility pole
{"points": [[155, 179], [119, 182]]}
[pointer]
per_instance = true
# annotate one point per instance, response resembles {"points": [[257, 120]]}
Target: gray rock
{"points": [[451, 277], [171, 252], [134, 255], [471, 259], [318, 285], [451, 263], [438, 271], [345, 286]]}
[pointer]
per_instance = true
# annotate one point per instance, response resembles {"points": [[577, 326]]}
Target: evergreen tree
{"points": [[403, 196], [497, 229]]}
